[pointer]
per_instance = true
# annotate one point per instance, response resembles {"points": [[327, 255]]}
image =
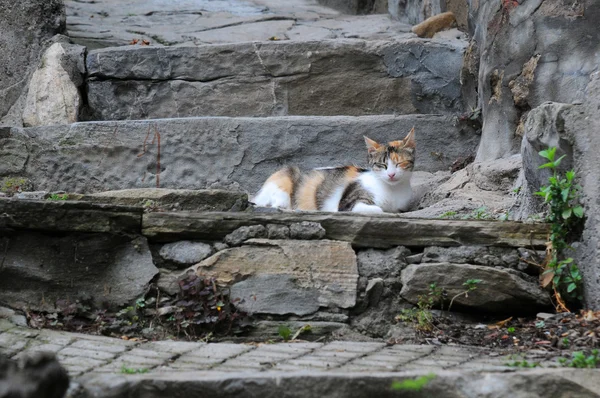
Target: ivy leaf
{"points": [[566, 213], [565, 194], [578, 211], [571, 287], [570, 175]]}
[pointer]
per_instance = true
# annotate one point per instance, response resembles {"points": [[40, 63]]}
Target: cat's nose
{"points": [[391, 175]]}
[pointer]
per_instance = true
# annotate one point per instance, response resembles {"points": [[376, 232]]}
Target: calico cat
{"points": [[384, 187]]}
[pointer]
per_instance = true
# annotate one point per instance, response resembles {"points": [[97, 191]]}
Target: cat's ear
{"points": [[372, 146], [409, 140]]}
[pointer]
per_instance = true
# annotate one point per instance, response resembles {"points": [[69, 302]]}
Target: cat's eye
{"points": [[406, 165], [381, 165]]}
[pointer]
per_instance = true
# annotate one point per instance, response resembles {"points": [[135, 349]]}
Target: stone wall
{"points": [[25, 28]]}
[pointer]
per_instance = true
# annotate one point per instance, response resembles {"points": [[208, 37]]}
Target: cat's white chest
{"points": [[391, 198]]}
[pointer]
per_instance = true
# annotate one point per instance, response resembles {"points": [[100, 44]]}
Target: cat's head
{"points": [[392, 162]]}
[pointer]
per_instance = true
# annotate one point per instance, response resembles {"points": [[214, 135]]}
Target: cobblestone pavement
{"points": [[82, 354], [103, 367], [103, 23]]}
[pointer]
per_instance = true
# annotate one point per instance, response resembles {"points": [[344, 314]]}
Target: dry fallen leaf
{"points": [[500, 324]]}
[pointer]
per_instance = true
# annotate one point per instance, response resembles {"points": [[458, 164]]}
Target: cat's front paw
{"points": [[365, 208]]}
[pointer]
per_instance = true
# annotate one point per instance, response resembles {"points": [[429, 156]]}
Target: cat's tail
{"points": [[278, 190]]}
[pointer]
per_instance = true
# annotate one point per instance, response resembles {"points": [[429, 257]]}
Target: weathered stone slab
{"points": [[500, 290], [286, 276], [101, 268], [68, 216], [377, 231], [198, 153], [171, 199], [328, 77]]}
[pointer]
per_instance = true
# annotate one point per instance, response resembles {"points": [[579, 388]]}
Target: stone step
{"points": [[198, 153], [278, 78]]}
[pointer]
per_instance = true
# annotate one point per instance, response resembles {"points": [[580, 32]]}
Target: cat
{"points": [[384, 187]]}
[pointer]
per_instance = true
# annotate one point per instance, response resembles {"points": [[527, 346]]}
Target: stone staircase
{"points": [[180, 135]]}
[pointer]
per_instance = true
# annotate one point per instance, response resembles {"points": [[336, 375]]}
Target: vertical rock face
{"points": [[530, 53], [574, 130], [53, 96], [24, 26]]}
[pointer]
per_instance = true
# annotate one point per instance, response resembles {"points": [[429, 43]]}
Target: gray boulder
{"points": [[500, 290], [100, 268], [307, 230], [373, 263], [185, 252], [25, 28]]}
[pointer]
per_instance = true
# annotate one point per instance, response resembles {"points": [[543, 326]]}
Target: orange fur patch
{"points": [[351, 173], [307, 193], [283, 181]]}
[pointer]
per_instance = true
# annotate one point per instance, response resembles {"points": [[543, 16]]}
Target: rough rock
{"points": [[185, 252], [517, 75], [435, 24], [13, 317], [168, 281], [374, 291], [25, 26], [478, 255], [171, 199], [307, 230], [498, 175], [275, 231], [100, 268], [269, 330], [286, 276], [242, 234], [357, 7], [501, 290], [415, 11], [53, 96], [373, 263], [544, 128], [92, 157], [574, 130], [276, 79], [363, 231]]}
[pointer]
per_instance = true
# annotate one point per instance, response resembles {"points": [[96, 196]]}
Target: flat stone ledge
{"points": [[68, 216], [376, 231]]}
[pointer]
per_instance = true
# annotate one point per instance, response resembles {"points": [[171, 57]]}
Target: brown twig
{"points": [[145, 141]]}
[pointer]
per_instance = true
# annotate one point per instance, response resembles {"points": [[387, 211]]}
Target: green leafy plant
{"points": [[470, 286], [580, 360], [565, 214], [540, 324], [13, 185], [523, 364], [57, 196], [416, 384], [284, 332], [510, 330], [566, 342], [130, 371], [421, 316], [449, 214]]}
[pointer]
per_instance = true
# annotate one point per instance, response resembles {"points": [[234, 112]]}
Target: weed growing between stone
{"points": [[413, 384], [566, 215], [57, 197], [580, 360], [286, 333], [132, 371], [200, 309]]}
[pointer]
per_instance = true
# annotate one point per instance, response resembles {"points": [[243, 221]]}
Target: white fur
{"points": [[391, 196], [332, 203], [365, 208], [270, 195]]}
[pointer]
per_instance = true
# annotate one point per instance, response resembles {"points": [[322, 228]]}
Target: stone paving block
{"points": [[191, 366], [172, 347], [13, 342], [99, 346], [79, 352], [417, 349], [217, 351], [41, 348], [138, 360], [317, 363], [24, 332], [288, 347], [351, 367], [5, 325], [55, 337], [337, 355], [81, 361], [355, 347], [145, 353], [433, 362]]}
